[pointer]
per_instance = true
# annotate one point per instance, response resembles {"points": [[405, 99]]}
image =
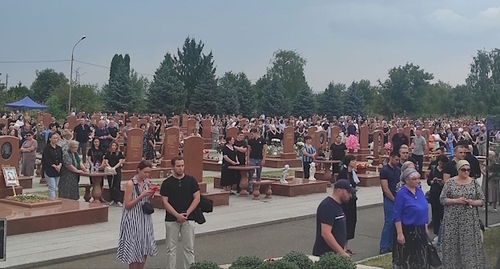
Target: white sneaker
{"points": [[111, 203], [119, 204]]}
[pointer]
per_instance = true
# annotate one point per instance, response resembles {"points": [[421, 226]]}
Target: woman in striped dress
{"points": [[308, 155], [137, 239]]}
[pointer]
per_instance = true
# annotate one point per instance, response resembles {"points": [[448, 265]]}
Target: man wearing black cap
{"points": [[330, 220]]}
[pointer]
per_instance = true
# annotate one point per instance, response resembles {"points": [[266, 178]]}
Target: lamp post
{"points": [[71, 73]]}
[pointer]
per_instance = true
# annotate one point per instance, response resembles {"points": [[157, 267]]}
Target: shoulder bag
{"points": [[147, 207], [481, 224], [432, 254]]}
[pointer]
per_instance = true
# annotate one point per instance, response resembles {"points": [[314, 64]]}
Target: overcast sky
{"points": [[341, 40]]}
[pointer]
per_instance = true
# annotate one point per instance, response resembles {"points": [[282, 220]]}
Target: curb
{"points": [[162, 241]]}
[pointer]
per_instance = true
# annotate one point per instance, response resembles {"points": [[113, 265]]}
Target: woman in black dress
{"points": [[338, 150], [435, 180], [350, 208], [228, 176]]}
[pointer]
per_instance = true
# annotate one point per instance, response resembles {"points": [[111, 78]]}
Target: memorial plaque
{"points": [[193, 157], [191, 126], [47, 118], [9, 146], [171, 143], [184, 121], [319, 140], [207, 128], [72, 122], [134, 145], [378, 143], [134, 120], [288, 139]]}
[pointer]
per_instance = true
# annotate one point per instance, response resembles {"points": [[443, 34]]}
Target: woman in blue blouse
{"points": [[410, 217], [308, 155]]}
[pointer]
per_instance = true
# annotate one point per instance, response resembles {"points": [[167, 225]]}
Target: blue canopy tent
{"points": [[25, 103]]}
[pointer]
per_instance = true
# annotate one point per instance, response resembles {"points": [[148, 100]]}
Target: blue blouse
{"points": [[411, 209]]}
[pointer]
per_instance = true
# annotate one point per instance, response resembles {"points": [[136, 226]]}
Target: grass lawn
{"points": [[277, 174], [491, 247]]}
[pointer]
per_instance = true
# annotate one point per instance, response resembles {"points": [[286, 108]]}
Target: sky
{"points": [[342, 41]]}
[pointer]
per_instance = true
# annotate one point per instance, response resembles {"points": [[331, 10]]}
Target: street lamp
{"points": [[71, 73]]}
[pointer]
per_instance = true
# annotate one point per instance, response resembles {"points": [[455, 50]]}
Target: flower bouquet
{"points": [[298, 147], [361, 167], [352, 143], [387, 149], [206, 153]]}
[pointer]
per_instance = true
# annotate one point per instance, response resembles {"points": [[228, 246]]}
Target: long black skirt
{"points": [[413, 254], [351, 217], [227, 176]]}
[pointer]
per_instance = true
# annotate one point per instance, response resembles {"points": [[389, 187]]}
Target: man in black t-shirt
{"points": [[82, 132], [331, 234], [240, 145], [180, 194], [449, 170], [257, 156], [113, 131], [399, 139]]}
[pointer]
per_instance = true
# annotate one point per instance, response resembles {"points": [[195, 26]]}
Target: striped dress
{"points": [[136, 232]]}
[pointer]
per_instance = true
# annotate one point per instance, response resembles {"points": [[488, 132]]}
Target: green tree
{"points": [[191, 65], [258, 89], [15, 93], [205, 98], [402, 91], [84, 98], [304, 104], [55, 107], [484, 80], [353, 100], [45, 81], [228, 94], [246, 96], [330, 101], [287, 68], [166, 93], [273, 102], [139, 85], [119, 94]]}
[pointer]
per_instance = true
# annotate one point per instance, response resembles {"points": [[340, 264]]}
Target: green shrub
{"points": [[279, 264], [299, 259], [204, 265], [247, 262], [334, 261]]}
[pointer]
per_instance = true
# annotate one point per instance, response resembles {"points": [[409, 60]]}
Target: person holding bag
{"points": [[137, 240], [461, 245]]}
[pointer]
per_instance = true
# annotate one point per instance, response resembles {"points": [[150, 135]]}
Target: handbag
{"points": [[147, 207], [206, 205], [432, 254]]}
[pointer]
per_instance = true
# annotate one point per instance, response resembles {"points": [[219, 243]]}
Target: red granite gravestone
{"points": [[232, 132], [4, 122], [163, 125], [133, 122], [378, 143], [207, 129], [134, 149], [320, 140], [72, 121], [288, 150], [184, 123], [47, 118], [175, 120], [334, 131], [407, 132], [141, 122], [96, 118], [392, 132], [312, 132], [193, 157], [170, 146], [9, 147], [80, 115], [363, 140], [191, 126]]}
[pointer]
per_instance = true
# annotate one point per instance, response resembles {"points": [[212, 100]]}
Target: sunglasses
{"points": [[28, 135], [465, 169]]}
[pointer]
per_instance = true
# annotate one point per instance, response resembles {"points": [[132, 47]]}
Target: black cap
{"points": [[344, 184]]}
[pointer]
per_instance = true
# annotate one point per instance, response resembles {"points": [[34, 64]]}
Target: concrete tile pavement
{"points": [[65, 244]]}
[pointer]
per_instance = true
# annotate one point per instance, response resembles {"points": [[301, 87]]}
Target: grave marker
{"points": [[193, 157], [134, 149], [170, 145]]}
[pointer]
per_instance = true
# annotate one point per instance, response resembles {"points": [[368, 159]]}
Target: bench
{"points": [[256, 188], [87, 191]]}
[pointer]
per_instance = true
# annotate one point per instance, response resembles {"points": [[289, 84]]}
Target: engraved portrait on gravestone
{"points": [[6, 150]]}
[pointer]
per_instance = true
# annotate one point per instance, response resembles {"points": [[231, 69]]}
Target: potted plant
{"points": [[352, 143], [204, 265], [299, 259], [246, 262], [332, 260]]}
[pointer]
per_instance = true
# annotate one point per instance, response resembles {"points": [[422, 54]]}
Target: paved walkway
{"points": [[42, 248]]}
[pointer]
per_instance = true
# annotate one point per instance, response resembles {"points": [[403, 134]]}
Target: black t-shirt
{"points": [[241, 155], [398, 141], [82, 133], [256, 145], [113, 158], [96, 155], [329, 212], [113, 131], [231, 154], [450, 168], [180, 194], [54, 124], [338, 151], [475, 169]]}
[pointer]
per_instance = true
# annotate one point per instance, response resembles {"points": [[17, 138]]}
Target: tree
{"points": [[304, 104], [258, 89], [330, 101], [402, 92], [166, 93], [14, 94], [139, 85], [119, 94], [273, 101], [288, 70], [484, 80], [228, 94], [246, 95], [205, 97], [191, 64], [353, 100], [45, 81], [84, 97]]}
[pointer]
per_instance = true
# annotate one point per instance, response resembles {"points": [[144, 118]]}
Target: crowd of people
{"points": [[454, 195]]}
